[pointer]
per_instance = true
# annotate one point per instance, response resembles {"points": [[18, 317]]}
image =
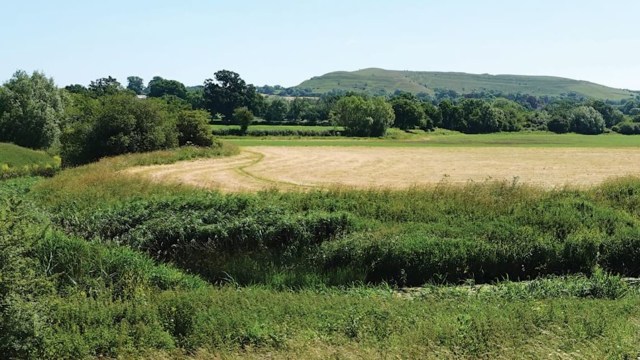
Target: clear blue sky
{"points": [[286, 42]]}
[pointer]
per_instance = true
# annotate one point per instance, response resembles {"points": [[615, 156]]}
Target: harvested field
{"points": [[290, 168]]}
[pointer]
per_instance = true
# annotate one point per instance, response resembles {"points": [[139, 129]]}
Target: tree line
{"points": [[85, 123]]}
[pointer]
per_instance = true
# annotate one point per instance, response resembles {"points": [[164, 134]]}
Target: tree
{"points": [[228, 92], [76, 89], [586, 120], [105, 86], [363, 117], [193, 128], [243, 116], [610, 115], [135, 84], [31, 110], [276, 111], [408, 113], [159, 87], [120, 124], [433, 116]]}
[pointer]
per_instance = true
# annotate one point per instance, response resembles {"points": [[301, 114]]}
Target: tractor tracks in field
{"points": [[230, 174]]}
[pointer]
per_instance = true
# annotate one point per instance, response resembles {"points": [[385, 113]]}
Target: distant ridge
{"points": [[377, 81]]}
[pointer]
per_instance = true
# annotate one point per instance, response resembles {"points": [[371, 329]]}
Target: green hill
{"points": [[19, 161], [377, 81]]}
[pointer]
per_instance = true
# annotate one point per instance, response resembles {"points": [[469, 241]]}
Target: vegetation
{"points": [[382, 82], [30, 111], [362, 116], [103, 298], [98, 263], [18, 161]]}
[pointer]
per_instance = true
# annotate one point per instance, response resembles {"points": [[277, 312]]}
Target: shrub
{"points": [[193, 128]]}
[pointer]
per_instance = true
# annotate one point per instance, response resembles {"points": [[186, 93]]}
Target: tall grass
{"points": [[483, 232], [64, 296]]}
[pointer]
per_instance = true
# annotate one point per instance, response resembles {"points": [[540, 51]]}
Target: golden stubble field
{"points": [[291, 168]]}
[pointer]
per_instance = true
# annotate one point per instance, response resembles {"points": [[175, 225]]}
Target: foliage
{"points": [[31, 109], [136, 84], [627, 128], [159, 87], [408, 112], [193, 128], [118, 124], [363, 116], [586, 120], [105, 86], [228, 92], [243, 117], [276, 110]]}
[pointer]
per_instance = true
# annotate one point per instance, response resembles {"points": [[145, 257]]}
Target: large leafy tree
{"points": [[117, 124], [363, 117], [276, 111], [159, 87], [31, 109], [105, 86], [135, 84], [408, 111], [586, 120], [228, 92]]}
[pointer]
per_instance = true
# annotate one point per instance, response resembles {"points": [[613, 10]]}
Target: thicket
{"points": [[63, 296]]}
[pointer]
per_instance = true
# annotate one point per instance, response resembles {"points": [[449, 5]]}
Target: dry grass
{"points": [[258, 168]]}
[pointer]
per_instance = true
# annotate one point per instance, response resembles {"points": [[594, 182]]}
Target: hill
{"points": [[377, 81], [19, 161], [17, 156]]}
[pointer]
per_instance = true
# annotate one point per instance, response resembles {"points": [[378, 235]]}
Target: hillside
{"points": [[17, 156], [384, 81]]}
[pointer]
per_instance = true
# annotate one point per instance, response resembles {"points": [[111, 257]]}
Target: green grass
{"points": [[387, 81], [398, 138], [16, 156], [79, 279], [19, 161]]}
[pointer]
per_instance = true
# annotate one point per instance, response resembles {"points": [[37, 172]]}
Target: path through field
{"points": [[290, 168]]}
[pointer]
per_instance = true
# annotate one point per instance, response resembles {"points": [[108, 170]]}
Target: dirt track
{"points": [[291, 168]]}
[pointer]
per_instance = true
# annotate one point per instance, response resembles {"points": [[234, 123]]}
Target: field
{"points": [[414, 160], [387, 81]]}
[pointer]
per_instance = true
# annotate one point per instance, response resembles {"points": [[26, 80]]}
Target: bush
{"points": [[362, 116], [586, 120], [120, 124], [193, 128], [627, 128]]}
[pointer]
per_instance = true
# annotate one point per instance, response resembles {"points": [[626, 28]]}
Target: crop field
{"points": [[289, 167]]}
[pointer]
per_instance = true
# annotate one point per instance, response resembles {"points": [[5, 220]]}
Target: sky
{"points": [[286, 42]]}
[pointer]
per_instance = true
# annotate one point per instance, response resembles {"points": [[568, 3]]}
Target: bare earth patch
{"points": [[289, 168]]}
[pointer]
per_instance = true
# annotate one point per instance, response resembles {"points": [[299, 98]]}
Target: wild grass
{"points": [[16, 161], [67, 296], [481, 232]]}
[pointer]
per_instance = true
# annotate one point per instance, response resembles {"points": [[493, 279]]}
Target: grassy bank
{"points": [[18, 161]]}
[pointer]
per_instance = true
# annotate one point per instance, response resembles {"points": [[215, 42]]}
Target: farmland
{"points": [[404, 160], [180, 271]]}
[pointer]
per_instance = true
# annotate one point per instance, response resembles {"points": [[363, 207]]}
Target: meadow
{"points": [[110, 263]]}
